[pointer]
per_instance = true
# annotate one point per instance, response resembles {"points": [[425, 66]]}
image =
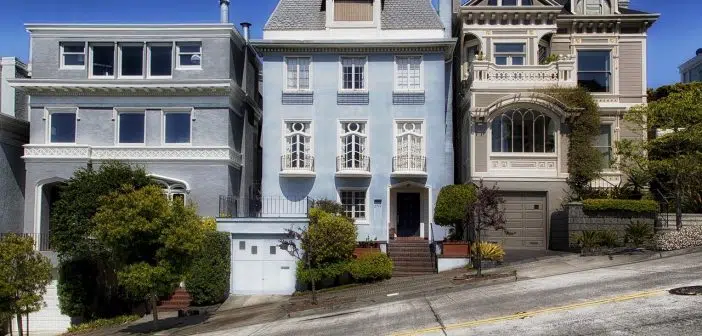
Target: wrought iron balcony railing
{"points": [[358, 163]]}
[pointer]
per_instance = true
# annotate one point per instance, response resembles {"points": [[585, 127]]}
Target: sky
{"points": [[673, 39]]}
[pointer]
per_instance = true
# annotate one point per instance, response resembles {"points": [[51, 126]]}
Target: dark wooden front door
{"points": [[408, 207]]}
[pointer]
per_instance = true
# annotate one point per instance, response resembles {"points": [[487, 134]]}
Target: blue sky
{"points": [[672, 40]]}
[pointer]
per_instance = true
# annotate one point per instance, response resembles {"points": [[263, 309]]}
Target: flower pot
{"points": [[456, 249], [359, 251]]}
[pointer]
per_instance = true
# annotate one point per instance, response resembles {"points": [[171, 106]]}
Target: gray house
{"points": [[691, 70], [14, 133], [181, 100]]}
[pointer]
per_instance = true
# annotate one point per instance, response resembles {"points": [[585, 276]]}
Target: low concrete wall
{"points": [[447, 264], [574, 219]]}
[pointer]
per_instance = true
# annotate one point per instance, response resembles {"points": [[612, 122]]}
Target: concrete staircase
{"points": [[179, 300], [410, 258]]}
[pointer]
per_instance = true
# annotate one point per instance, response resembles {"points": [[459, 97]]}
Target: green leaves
{"points": [[330, 238], [24, 275], [371, 267], [207, 280], [452, 202], [643, 206]]}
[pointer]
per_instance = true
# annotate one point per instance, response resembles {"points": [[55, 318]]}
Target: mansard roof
{"points": [[311, 15]]}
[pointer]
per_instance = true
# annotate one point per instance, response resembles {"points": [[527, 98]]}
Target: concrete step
{"points": [[408, 249], [418, 257]]}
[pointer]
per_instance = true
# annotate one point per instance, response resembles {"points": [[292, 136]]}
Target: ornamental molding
{"points": [[533, 98], [129, 88], [78, 152], [524, 164]]}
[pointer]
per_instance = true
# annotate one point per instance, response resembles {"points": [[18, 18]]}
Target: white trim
{"points": [[118, 111], [341, 75], [613, 68], [358, 221], [179, 66], [339, 143], [177, 110], [509, 55], [115, 66], [554, 118], [421, 73], [285, 75], [148, 59], [120, 60], [62, 59], [283, 151], [48, 111], [424, 135]]}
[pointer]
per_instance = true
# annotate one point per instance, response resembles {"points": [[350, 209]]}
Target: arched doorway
{"points": [[47, 194]]}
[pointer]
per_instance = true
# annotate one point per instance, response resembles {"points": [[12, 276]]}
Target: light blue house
{"points": [[357, 110]]}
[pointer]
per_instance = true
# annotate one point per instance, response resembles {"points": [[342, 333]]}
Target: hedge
{"points": [[208, 278], [642, 206], [371, 267]]}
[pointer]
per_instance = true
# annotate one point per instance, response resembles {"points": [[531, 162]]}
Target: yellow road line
{"points": [[536, 312]]}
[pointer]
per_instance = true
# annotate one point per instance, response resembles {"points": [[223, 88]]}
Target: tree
{"points": [[451, 207], [672, 160], [329, 239], [486, 213], [151, 240], [24, 275]]}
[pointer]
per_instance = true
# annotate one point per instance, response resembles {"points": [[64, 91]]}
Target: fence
{"points": [[266, 206], [688, 219]]}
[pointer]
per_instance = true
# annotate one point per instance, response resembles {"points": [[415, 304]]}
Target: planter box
{"points": [[359, 251], [455, 249]]}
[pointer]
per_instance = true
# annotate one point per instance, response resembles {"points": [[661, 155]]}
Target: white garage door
{"points": [[259, 266], [525, 214]]}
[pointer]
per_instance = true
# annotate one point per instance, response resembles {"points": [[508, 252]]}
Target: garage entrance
{"points": [[525, 214], [259, 266]]}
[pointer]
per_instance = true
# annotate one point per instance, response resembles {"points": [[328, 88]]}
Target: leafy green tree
{"points": [[451, 205], [673, 159], [24, 275], [208, 278], [151, 240]]}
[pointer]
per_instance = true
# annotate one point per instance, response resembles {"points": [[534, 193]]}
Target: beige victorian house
{"points": [[517, 138]]}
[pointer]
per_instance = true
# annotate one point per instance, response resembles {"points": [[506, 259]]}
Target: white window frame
{"points": [[341, 74], [364, 220], [120, 59], [285, 74], [117, 114], [148, 58], [115, 67], [613, 84], [63, 53], [396, 135], [183, 110], [284, 133], [421, 74], [341, 134], [509, 56], [49, 111], [178, 53]]}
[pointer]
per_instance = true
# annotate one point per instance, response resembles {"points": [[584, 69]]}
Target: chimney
{"points": [[246, 28], [624, 3], [224, 11]]}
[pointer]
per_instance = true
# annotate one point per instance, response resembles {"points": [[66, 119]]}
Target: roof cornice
{"points": [[428, 45], [111, 87]]}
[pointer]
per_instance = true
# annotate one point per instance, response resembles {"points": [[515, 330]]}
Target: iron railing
{"points": [[360, 163], [409, 163], [265, 206], [300, 162], [42, 241]]}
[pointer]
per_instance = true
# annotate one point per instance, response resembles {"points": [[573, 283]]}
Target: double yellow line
{"points": [[536, 312]]}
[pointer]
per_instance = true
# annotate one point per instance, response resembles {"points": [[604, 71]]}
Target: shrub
{"points": [[208, 278], [620, 205], [371, 267], [689, 236], [451, 204], [489, 251], [330, 239], [209, 223], [102, 323], [329, 206], [328, 272], [586, 239], [638, 234], [608, 238]]}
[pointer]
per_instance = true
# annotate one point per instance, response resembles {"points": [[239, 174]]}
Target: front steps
{"points": [[178, 301], [410, 258]]}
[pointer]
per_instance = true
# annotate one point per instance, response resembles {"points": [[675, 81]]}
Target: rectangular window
{"points": [[63, 127], [177, 127], [510, 53], [353, 10], [604, 145], [103, 60], [298, 73], [73, 55], [272, 249], [160, 60], [354, 203], [131, 60], [189, 55], [131, 127], [509, 2], [242, 245], [408, 74], [353, 71], [254, 249], [594, 70]]}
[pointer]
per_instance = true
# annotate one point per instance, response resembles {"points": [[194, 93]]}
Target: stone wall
{"points": [[574, 219]]}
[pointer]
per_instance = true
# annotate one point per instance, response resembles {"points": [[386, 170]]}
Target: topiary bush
{"points": [[371, 267], [451, 205], [639, 206], [208, 278], [689, 236]]}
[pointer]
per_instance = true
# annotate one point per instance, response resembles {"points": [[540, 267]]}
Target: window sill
{"points": [[298, 91], [159, 77], [353, 91], [397, 91], [189, 68], [72, 68], [363, 222], [530, 155]]}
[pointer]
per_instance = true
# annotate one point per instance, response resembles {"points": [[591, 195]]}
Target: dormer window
{"points": [[593, 7], [353, 10], [510, 2]]}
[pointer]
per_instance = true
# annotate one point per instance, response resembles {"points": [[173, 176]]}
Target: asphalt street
{"points": [[620, 300]]}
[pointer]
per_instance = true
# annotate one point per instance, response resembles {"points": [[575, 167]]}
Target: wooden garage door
{"points": [[525, 213]]}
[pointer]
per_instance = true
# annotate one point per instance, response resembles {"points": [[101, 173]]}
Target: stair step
{"points": [[403, 258], [414, 268], [409, 249]]}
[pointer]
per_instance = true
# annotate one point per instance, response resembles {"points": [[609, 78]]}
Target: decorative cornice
{"points": [[115, 87], [535, 98], [402, 46]]}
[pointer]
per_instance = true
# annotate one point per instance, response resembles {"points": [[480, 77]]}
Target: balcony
{"points": [[297, 165], [409, 166], [264, 207], [353, 166], [487, 75]]}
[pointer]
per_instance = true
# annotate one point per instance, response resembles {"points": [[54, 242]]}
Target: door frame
{"points": [[398, 187], [399, 213]]}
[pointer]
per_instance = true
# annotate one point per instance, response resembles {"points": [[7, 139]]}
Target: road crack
{"points": [[436, 317]]}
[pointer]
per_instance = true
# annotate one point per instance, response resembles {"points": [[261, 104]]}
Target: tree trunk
{"points": [[478, 253], [154, 309], [314, 292], [20, 330], [678, 203]]}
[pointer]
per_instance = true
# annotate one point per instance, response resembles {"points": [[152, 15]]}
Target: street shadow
{"points": [[166, 324]]}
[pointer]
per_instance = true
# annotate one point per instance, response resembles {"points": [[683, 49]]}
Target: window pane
{"points": [[177, 127], [161, 60], [539, 134], [517, 60], [74, 48], [191, 60], [74, 59], [497, 135], [132, 60], [509, 47], [492, 2], [593, 60], [527, 2], [292, 73], [501, 60], [509, 2], [528, 132], [189, 48], [304, 73], [131, 128], [594, 81], [103, 60], [550, 135], [63, 127]]}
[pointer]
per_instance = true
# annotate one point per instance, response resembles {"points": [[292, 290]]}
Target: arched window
{"points": [[297, 145], [174, 191], [523, 130], [409, 142], [353, 145]]}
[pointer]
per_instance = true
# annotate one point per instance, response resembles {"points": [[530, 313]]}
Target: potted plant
{"points": [[492, 254], [366, 247], [450, 210]]}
